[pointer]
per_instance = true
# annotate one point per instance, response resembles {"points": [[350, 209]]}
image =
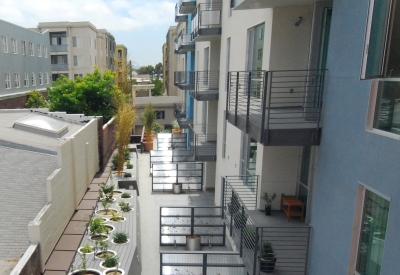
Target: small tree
{"points": [[36, 99], [158, 87], [148, 117], [125, 117]]}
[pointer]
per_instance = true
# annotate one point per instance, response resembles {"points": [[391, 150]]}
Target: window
{"points": [[160, 114], [46, 78], [58, 38], [23, 47], [91, 63], [78, 60], [372, 233], [78, 75], [39, 49], [5, 45], [95, 60], [95, 45], [381, 49], [76, 41], [31, 53], [40, 78], [14, 45], [59, 59], [45, 51], [33, 79], [8, 81], [26, 80], [17, 80], [90, 42]]}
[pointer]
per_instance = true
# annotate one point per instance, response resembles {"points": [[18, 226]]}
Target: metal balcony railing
{"points": [[182, 80], [179, 112], [290, 242], [178, 222], [206, 21], [169, 141], [59, 67], [179, 17], [201, 262], [189, 174], [186, 6], [184, 43], [277, 105], [59, 48], [204, 85], [204, 145]]}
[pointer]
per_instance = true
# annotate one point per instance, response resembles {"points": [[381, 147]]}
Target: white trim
{"points": [[366, 41]]}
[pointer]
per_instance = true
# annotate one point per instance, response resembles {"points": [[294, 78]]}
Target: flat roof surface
{"points": [[8, 134], [23, 177]]}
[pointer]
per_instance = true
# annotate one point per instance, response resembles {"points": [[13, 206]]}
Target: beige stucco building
{"points": [[77, 47]]}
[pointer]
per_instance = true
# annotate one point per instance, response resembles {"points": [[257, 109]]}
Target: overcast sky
{"points": [[141, 25]]}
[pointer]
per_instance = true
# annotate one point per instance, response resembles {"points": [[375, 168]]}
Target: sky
{"points": [[141, 25]]}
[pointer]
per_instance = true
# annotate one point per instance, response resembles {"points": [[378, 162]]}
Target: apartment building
{"points": [[122, 67], [333, 167], [170, 62], [25, 63], [77, 47]]}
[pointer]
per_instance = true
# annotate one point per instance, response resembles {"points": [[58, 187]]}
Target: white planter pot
{"points": [[112, 251], [113, 269], [78, 272], [120, 243], [177, 188], [193, 243], [90, 238], [79, 251]]}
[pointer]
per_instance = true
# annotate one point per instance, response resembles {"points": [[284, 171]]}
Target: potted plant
{"points": [[82, 268], [129, 165], [110, 262], [120, 238], [176, 129], [268, 201], [104, 252], [148, 117], [114, 271], [125, 195], [97, 226], [117, 217], [86, 249], [267, 258]]}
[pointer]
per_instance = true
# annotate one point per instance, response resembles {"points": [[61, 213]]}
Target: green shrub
{"points": [[111, 261], [125, 195], [127, 175], [36, 99], [120, 237]]}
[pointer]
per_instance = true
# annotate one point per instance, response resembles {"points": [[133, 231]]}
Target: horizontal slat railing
{"points": [[202, 82], [276, 99], [178, 222], [169, 141], [205, 263], [206, 16]]}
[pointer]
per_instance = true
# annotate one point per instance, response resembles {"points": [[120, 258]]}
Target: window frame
{"points": [[17, 81], [33, 79], [5, 44], [40, 78], [358, 220], [46, 77], [77, 41], [26, 80], [39, 50], [45, 51], [7, 78], [79, 61], [14, 45], [23, 47], [31, 49], [373, 97]]}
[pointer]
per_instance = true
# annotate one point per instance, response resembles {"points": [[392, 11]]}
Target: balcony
{"points": [[182, 80], [59, 67], [263, 4], [180, 115], [204, 85], [204, 145], [250, 228], [206, 22], [187, 6], [184, 43], [59, 48], [277, 108], [179, 17]]}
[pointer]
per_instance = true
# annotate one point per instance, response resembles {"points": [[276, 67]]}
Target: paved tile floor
{"points": [[150, 204]]}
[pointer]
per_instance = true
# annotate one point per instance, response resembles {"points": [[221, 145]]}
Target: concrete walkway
{"points": [[150, 214]]}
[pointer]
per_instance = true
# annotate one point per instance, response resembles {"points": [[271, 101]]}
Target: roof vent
{"points": [[42, 125]]}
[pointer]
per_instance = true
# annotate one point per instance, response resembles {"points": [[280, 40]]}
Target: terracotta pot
{"points": [[176, 131], [148, 145]]}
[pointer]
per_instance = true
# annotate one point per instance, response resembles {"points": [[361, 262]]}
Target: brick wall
{"points": [[30, 264], [15, 101], [108, 142]]}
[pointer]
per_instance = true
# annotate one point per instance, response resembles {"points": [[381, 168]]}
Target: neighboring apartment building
{"points": [[77, 47], [25, 64], [165, 64], [276, 61]]}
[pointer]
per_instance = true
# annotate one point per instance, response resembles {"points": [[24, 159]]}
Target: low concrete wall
{"points": [[30, 263], [16, 101]]}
